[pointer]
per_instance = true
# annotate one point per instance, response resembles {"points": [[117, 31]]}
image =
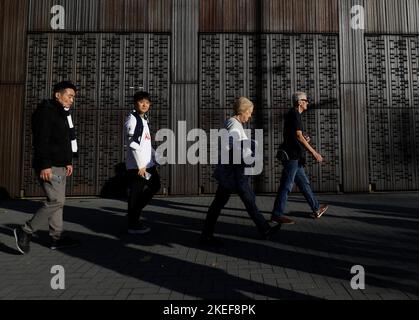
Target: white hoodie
{"points": [[139, 154]]}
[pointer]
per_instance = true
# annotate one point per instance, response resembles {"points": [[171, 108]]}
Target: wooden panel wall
{"points": [[227, 16], [353, 99], [104, 15], [185, 19], [392, 16], [13, 14], [11, 98], [300, 16], [269, 16], [184, 178]]}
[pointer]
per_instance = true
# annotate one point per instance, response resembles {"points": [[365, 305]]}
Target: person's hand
{"points": [[318, 157], [307, 137], [69, 170], [46, 174], [142, 172]]}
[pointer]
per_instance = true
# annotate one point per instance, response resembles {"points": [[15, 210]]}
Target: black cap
{"points": [[141, 95], [64, 85]]}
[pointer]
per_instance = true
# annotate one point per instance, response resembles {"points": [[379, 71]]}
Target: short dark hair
{"points": [[61, 86], [141, 95]]}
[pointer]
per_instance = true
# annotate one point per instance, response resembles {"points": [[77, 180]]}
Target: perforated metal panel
{"points": [[228, 69], [107, 68], [392, 79]]}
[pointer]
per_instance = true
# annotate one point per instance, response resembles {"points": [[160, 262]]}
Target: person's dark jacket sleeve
{"points": [[51, 136], [41, 124]]}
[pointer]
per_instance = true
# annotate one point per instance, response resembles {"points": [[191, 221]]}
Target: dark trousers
{"points": [[141, 191], [222, 196]]}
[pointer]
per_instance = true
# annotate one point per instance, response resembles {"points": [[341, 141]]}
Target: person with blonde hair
{"points": [[231, 177]]}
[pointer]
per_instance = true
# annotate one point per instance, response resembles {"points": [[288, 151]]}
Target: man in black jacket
{"points": [[54, 144], [293, 159]]}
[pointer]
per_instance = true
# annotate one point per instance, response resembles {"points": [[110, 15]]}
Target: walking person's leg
{"points": [[56, 223], [221, 198], [287, 182], [136, 188], [52, 210], [152, 186], [248, 198], [303, 183]]}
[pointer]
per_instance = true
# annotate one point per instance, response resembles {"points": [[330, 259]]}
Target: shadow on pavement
{"points": [[170, 231]]}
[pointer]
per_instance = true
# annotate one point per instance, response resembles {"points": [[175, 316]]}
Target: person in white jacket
{"points": [[232, 178], [143, 178]]}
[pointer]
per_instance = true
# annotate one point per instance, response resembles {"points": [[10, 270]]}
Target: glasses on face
{"points": [[305, 100]]}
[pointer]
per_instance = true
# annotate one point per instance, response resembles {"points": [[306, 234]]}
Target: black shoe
{"points": [[23, 240], [138, 228], [64, 243], [211, 241], [272, 229]]}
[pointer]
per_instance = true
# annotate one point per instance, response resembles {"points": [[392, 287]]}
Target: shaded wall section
{"points": [[103, 15], [13, 17], [299, 16], [234, 46]]}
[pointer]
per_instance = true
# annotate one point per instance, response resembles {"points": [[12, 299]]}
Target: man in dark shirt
{"points": [[54, 143], [292, 155]]}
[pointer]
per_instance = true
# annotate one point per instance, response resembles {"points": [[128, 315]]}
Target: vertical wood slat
{"points": [[11, 102], [392, 16], [184, 71], [352, 53], [185, 41], [184, 178], [354, 112], [354, 138], [13, 26]]}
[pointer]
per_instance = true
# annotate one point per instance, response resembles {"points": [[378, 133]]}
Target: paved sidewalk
{"points": [[309, 260]]}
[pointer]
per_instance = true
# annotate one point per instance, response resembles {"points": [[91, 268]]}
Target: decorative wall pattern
{"points": [[229, 68], [393, 90], [107, 68]]}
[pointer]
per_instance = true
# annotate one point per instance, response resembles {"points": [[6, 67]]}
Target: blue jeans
{"points": [[293, 172]]}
